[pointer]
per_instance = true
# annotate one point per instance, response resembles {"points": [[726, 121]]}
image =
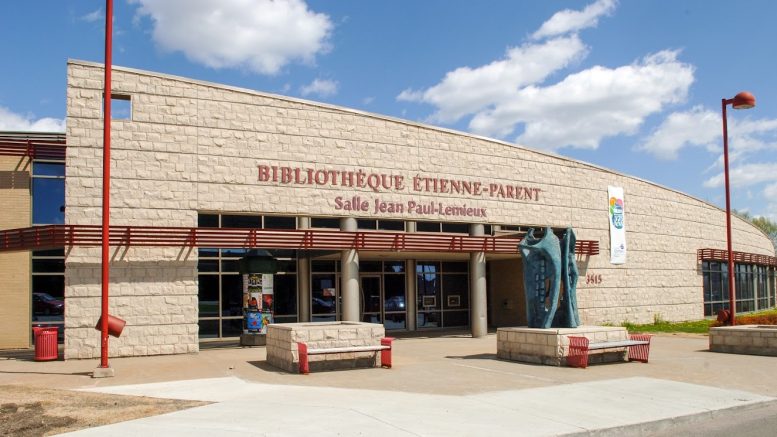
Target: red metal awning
{"points": [[742, 257], [33, 145], [54, 236]]}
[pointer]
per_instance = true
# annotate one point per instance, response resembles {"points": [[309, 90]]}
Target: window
{"points": [[121, 107], [48, 193], [221, 286], [754, 286], [427, 226], [442, 294], [327, 223], [454, 228], [382, 225], [48, 266]]}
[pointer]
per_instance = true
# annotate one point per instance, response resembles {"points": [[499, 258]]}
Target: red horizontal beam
{"points": [[35, 149], [48, 237], [742, 257]]}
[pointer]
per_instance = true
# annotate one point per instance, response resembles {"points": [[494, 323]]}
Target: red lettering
{"points": [[285, 175], [264, 173]]}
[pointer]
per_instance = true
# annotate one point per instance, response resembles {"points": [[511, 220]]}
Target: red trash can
{"points": [[45, 343]]}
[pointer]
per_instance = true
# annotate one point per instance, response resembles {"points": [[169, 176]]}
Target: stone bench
{"points": [[638, 346], [305, 352], [283, 340], [551, 346]]}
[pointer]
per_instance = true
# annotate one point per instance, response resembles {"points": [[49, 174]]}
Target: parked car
{"points": [[46, 304], [323, 306], [395, 303]]}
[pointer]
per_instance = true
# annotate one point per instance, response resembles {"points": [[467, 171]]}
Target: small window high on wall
{"points": [[121, 107]]}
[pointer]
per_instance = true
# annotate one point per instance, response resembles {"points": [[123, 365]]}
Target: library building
{"points": [[227, 201]]}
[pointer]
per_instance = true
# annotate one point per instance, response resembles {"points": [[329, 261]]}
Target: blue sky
{"points": [[631, 85]]}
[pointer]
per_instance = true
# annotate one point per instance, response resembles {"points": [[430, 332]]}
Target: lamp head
{"points": [[743, 100]]}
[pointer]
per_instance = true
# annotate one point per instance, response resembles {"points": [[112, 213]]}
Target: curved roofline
{"points": [[392, 119]]}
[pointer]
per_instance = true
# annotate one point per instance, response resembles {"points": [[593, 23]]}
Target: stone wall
{"points": [[194, 146]]}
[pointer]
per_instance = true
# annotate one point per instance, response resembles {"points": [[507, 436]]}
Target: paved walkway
{"points": [[449, 383], [245, 408]]}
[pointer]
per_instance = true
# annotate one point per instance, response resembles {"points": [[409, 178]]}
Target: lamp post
{"points": [[743, 100], [104, 370]]}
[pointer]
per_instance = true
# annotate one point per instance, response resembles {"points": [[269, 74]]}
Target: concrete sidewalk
{"points": [[246, 408], [448, 383]]}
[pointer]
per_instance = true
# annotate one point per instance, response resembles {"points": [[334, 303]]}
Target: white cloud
{"points": [[320, 87], [368, 100], [97, 15], [571, 21], [770, 191], [745, 175], [467, 90], [579, 110], [260, 35], [697, 127], [590, 105], [748, 138], [12, 121]]}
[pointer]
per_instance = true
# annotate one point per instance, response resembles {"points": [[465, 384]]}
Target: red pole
{"points": [[106, 184], [731, 290]]}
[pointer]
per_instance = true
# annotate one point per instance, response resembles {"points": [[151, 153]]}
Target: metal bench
{"points": [[384, 348], [638, 348]]}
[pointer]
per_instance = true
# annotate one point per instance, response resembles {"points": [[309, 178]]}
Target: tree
{"points": [[769, 227]]}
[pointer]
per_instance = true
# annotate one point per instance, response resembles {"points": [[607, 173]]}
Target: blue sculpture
{"points": [[547, 266], [567, 316]]}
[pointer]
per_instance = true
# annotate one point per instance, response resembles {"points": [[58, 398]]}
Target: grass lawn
{"points": [[768, 317], [695, 327]]}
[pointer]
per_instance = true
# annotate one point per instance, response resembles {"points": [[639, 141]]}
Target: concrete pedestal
{"points": [[103, 372], [745, 339], [249, 339], [551, 346]]}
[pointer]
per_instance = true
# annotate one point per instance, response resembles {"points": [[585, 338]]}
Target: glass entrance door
{"points": [[371, 298]]}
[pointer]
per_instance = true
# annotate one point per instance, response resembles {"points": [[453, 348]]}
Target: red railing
{"points": [[53, 236], [35, 146], [741, 257]]}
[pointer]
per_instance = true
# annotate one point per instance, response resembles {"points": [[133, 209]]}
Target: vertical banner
{"points": [[617, 225]]}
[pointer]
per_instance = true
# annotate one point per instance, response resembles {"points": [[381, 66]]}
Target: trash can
{"points": [[45, 343]]}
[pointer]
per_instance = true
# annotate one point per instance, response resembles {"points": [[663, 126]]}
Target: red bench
{"points": [[638, 348], [384, 348]]}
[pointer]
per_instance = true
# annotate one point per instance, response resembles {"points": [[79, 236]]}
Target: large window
{"points": [[755, 287], [221, 286], [48, 193], [442, 294], [48, 266], [324, 290], [382, 292]]}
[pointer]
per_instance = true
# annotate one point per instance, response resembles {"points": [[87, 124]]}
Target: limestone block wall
{"points": [[153, 173], [194, 146], [15, 310]]}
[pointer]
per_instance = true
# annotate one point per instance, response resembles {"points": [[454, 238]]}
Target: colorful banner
{"points": [[617, 225]]}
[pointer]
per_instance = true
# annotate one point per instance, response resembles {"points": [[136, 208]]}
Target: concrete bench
{"points": [[384, 348], [638, 348]]}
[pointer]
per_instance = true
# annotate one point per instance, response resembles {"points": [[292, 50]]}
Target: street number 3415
{"points": [[593, 278]]}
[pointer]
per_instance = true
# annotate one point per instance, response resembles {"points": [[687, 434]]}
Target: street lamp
{"points": [[743, 100]]}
